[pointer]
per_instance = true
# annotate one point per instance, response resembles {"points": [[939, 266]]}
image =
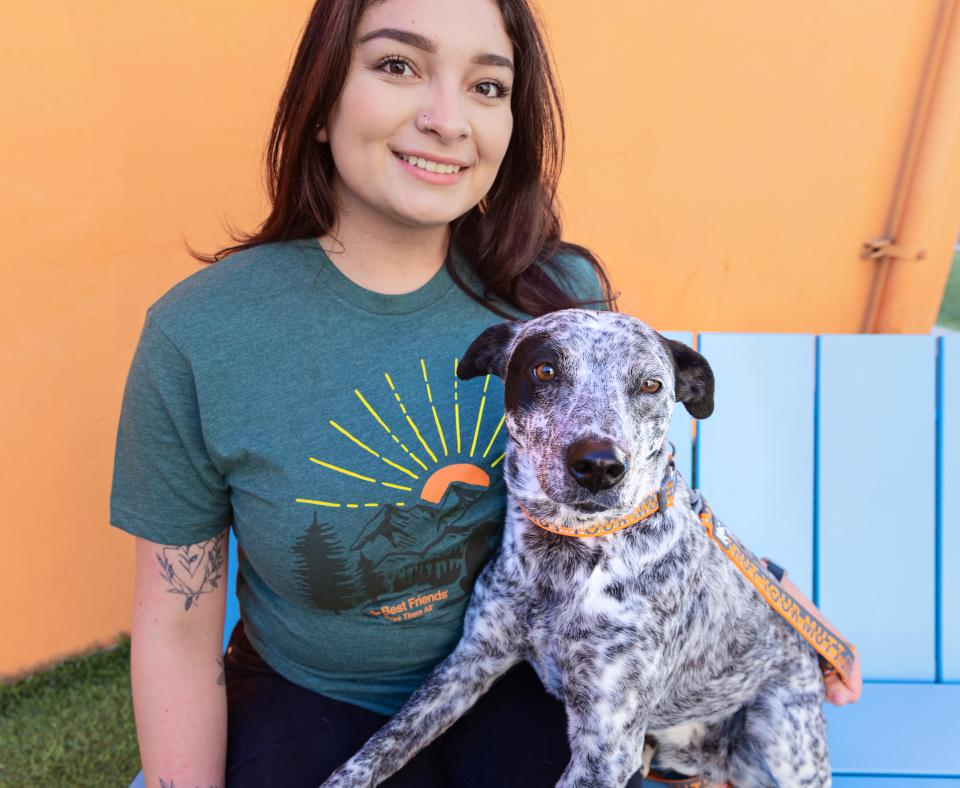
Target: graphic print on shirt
{"points": [[422, 546]]}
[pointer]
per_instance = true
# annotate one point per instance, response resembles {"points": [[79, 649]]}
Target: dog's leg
{"points": [[795, 752], [492, 643], [606, 731], [602, 758], [784, 741]]}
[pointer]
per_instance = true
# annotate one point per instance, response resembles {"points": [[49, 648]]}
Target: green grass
{"points": [[950, 308], [71, 725]]}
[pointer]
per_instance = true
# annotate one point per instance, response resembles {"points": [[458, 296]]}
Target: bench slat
{"points": [[949, 506], [876, 499], [845, 781], [897, 729], [755, 453]]}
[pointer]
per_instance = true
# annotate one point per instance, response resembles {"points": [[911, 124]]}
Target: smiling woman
{"points": [[303, 391], [425, 83]]}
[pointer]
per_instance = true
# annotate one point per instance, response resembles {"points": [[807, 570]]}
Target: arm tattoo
{"points": [[192, 569], [221, 679], [169, 784]]}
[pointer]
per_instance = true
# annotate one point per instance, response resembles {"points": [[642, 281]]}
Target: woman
{"points": [[303, 390]]}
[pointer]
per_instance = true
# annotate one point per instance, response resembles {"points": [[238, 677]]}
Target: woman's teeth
{"points": [[430, 166]]}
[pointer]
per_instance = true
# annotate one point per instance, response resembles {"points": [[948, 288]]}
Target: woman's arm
{"points": [[176, 669]]}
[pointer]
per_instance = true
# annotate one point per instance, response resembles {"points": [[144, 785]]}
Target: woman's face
{"points": [[449, 59]]}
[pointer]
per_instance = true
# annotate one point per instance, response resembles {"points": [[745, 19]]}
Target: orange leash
{"points": [[833, 648]]}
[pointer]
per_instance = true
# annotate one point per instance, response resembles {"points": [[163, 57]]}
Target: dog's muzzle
{"points": [[596, 464]]}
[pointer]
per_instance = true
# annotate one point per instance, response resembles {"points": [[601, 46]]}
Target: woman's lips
{"points": [[439, 179]]}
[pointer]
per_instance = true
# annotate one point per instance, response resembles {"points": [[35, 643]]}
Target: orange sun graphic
{"points": [[437, 484], [406, 467]]}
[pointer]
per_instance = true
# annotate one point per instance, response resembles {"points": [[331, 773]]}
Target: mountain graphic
{"points": [[399, 550], [418, 530]]}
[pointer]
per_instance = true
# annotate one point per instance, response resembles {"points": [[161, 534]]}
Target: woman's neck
{"points": [[390, 260]]}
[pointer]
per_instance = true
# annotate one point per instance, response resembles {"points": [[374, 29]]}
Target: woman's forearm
{"points": [[180, 704]]}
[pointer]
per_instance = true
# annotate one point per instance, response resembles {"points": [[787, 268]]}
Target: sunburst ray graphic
{"points": [[407, 473]]}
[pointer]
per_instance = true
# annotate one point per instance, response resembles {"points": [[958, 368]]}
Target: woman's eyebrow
{"points": [[428, 45]]}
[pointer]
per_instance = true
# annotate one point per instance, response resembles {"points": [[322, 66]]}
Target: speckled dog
{"points": [[647, 631]]}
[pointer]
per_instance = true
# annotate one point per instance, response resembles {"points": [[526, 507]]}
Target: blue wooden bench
{"points": [[839, 456]]}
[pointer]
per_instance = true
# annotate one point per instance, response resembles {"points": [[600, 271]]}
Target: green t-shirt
{"points": [[325, 424]]}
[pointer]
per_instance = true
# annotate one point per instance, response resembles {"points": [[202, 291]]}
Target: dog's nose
{"points": [[596, 464]]}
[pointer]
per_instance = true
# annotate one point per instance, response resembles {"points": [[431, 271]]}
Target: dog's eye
{"points": [[649, 386], [545, 372]]}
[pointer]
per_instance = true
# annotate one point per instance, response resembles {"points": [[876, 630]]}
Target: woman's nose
{"points": [[446, 118]]}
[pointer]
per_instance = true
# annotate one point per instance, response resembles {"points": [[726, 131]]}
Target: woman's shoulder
{"points": [[227, 289]]}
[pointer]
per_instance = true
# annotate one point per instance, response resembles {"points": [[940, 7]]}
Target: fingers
{"points": [[837, 692], [854, 682]]}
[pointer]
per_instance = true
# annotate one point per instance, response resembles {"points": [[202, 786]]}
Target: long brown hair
{"points": [[511, 239]]}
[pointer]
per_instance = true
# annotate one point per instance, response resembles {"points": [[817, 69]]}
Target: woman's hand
{"points": [[840, 692]]}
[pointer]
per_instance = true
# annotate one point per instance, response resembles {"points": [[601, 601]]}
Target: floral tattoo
{"points": [[192, 570]]}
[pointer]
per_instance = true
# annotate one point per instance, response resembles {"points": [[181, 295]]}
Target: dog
{"points": [[645, 631]]}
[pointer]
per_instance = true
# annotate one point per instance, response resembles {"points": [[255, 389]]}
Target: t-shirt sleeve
{"points": [[165, 487]]}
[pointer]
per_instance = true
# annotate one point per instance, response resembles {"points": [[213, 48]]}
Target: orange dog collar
{"points": [[661, 500]]}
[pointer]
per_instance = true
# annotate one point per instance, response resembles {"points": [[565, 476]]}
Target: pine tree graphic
{"points": [[326, 576]]}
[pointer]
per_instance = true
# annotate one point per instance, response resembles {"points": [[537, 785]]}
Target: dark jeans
{"points": [[285, 736]]}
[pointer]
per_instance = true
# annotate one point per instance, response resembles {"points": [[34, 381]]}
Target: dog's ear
{"points": [[487, 354], [694, 379]]}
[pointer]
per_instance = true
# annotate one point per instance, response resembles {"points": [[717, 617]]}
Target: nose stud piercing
{"points": [[425, 126]]}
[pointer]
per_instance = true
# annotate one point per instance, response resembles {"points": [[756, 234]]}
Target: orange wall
{"points": [[726, 162]]}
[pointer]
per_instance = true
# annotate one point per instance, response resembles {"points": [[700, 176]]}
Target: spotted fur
{"points": [[647, 633]]}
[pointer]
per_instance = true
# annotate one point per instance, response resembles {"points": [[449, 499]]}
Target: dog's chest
{"points": [[617, 623], [586, 619]]}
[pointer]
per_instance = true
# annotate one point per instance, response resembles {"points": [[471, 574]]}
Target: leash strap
{"points": [[837, 652]]}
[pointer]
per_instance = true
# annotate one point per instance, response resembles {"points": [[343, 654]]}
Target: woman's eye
{"points": [[395, 66], [499, 90], [650, 386], [545, 372]]}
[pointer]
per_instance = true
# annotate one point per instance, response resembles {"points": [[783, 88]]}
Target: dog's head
{"points": [[588, 399]]}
